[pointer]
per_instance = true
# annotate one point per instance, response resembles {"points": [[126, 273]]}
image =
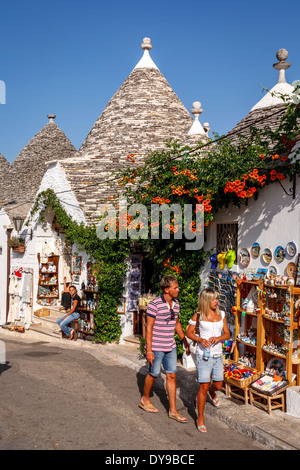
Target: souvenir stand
{"points": [[48, 292], [90, 291], [265, 357], [134, 293], [267, 332]]}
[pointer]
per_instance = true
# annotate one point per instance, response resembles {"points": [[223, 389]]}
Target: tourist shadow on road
{"points": [[4, 367], [159, 390]]}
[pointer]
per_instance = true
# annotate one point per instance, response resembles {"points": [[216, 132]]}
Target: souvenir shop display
{"points": [[291, 270], [248, 359], [237, 378], [272, 270], [269, 384], [134, 292], [255, 250], [291, 249], [270, 330], [244, 257], [279, 254], [225, 284], [297, 276], [135, 281], [21, 296], [227, 348], [48, 292], [267, 255], [237, 371]]}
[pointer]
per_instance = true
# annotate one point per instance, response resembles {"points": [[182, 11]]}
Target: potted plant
{"points": [[17, 244]]}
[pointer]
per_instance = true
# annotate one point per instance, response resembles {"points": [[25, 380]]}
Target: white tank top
{"points": [[209, 329]]}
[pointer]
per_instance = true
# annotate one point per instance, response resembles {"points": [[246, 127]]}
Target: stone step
{"points": [[131, 339]]}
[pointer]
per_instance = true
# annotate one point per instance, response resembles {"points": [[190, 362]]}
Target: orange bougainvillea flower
{"points": [[274, 157], [284, 158], [262, 156]]}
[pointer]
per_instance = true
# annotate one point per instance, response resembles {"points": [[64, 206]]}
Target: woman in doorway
{"points": [[208, 327], [71, 315]]}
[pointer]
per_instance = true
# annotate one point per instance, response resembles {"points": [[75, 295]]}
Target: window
{"points": [[227, 237]]}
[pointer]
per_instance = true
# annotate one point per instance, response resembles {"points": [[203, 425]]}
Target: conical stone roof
{"points": [[143, 113], [270, 109], [25, 174], [140, 117], [4, 167]]}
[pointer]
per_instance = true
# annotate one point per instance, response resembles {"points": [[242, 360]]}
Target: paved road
{"points": [[56, 398]]}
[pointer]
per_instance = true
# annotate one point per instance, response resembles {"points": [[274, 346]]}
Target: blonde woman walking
{"points": [[208, 327]]}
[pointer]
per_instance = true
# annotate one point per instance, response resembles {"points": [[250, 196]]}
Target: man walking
{"points": [[162, 323]]}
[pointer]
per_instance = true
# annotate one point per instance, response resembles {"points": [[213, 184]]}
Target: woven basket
{"points": [[42, 312], [241, 383]]}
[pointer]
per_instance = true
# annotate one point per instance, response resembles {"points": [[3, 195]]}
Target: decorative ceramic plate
{"points": [[291, 249], [255, 250], [244, 257], [273, 270], [277, 365], [279, 254], [267, 255], [291, 269]]}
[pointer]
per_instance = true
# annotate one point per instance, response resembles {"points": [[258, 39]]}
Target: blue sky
{"points": [[70, 57]]}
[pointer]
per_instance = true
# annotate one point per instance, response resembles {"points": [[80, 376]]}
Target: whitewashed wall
{"points": [[4, 222], [37, 233], [272, 220]]}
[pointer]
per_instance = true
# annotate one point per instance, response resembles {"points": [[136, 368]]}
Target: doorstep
{"points": [[131, 340]]}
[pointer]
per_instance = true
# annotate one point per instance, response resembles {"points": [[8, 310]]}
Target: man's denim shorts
{"points": [[210, 369], [166, 359]]}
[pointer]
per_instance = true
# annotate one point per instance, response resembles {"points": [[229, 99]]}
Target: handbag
{"points": [[193, 345]]}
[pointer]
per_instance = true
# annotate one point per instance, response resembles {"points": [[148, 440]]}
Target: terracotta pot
{"points": [[19, 249]]}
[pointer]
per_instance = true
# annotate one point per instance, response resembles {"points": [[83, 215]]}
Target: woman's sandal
{"points": [[71, 334], [202, 428], [216, 401]]}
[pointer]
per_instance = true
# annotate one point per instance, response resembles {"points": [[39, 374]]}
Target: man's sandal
{"points": [[149, 408], [178, 417]]}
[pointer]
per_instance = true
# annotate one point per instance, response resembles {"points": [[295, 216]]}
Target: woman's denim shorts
{"points": [[212, 369], [166, 359]]}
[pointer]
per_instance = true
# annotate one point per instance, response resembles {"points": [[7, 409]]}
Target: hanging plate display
{"points": [[279, 254], [291, 249], [267, 255], [244, 257], [291, 269], [272, 270], [255, 250]]}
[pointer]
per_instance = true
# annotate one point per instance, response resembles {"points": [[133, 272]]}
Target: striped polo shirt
{"points": [[164, 328]]}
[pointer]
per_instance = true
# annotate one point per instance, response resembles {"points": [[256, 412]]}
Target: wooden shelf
{"points": [[275, 328], [247, 344]]}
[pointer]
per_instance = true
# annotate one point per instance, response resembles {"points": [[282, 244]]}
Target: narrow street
{"points": [[65, 399]]}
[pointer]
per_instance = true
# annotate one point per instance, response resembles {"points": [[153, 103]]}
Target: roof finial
{"points": [[51, 117], [282, 66], [146, 44], [146, 61], [196, 111]]}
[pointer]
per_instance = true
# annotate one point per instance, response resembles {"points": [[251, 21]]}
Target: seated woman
{"points": [[71, 315]]}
